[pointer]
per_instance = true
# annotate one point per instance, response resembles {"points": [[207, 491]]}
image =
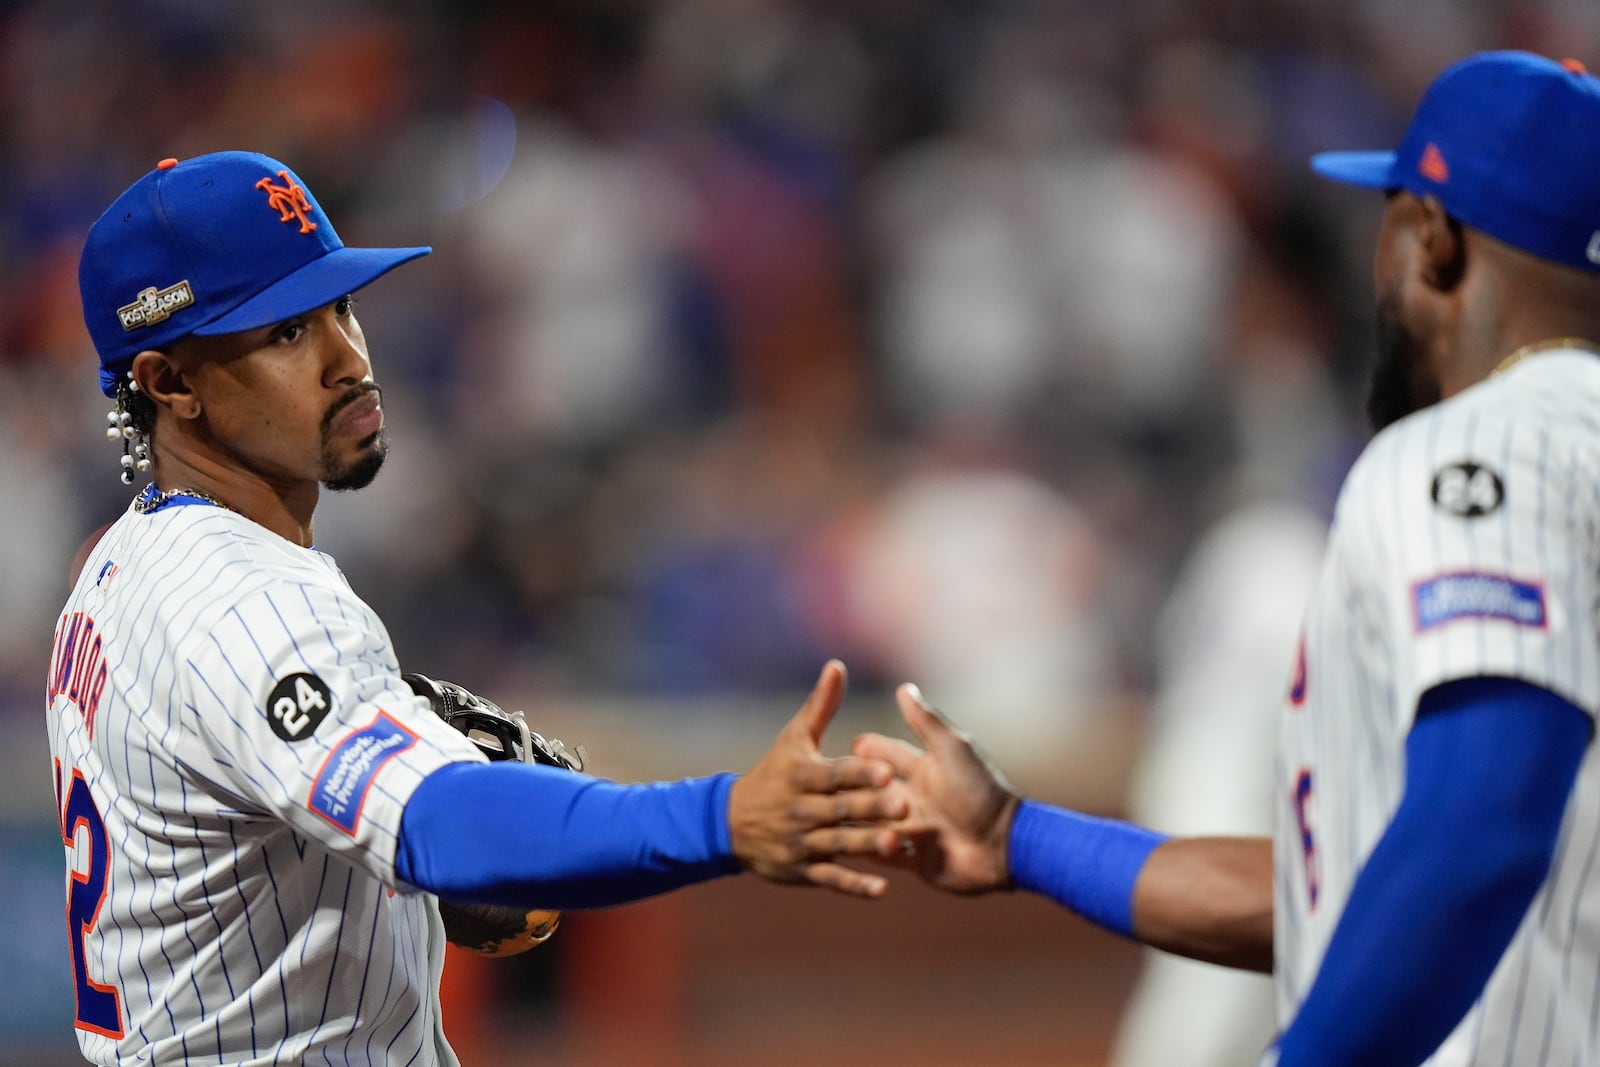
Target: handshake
{"points": [[941, 811], [795, 815]]}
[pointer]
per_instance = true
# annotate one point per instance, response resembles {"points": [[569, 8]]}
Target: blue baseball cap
{"points": [[216, 244], [1509, 144]]}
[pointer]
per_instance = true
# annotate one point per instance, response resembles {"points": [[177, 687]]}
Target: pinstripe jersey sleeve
{"points": [[1466, 543], [296, 709], [1482, 518]]}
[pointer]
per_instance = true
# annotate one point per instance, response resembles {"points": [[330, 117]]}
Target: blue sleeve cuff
{"points": [[721, 833], [544, 838], [1084, 863]]}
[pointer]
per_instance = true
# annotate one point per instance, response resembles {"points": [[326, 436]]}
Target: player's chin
{"points": [[358, 470]]}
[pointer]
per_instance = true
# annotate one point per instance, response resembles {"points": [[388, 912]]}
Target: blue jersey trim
{"points": [[178, 499]]}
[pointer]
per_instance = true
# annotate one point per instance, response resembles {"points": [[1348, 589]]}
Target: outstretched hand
{"points": [[961, 807], [797, 811]]}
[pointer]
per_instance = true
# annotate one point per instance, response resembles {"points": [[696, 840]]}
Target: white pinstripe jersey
{"points": [[233, 747], [1466, 542]]}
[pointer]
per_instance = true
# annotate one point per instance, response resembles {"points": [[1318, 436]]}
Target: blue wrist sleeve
{"points": [[539, 837], [1084, 863]]}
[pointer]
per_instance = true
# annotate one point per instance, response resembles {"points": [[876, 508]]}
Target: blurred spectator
{"points": [[1225, 648], [574, 247], [1228, 640], [982, 584]]}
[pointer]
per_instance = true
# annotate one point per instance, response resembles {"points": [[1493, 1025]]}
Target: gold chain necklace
{"points": [[1544, 346], [152, 499]]}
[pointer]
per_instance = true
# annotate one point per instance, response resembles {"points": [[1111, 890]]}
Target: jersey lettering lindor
{"points": [[1466, 542], [233, 750]]}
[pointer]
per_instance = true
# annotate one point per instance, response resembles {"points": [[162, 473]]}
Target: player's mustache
{"points": [[349, 398]]}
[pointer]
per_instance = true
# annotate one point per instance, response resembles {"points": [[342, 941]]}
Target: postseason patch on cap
{"points": [[341, 786], [1477, 596], [155, 305]]}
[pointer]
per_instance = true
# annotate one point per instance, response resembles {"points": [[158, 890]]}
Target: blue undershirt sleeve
{"points": [[538, 837], [1490, 764]]}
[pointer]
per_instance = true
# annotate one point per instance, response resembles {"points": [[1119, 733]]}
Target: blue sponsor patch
{"points": [[1477, 596], [341, 786]]}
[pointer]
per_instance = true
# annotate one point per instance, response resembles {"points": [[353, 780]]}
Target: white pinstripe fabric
{"points": [[238, 925], [1370, 653]]}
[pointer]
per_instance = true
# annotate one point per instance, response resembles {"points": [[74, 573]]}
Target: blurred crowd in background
{"points": [[930, 334]]}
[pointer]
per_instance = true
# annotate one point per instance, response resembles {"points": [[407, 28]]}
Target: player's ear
{"points": [[1444, 249], [159, 377]]}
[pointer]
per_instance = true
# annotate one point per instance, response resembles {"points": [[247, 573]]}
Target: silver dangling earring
{"points": [[135, 446]]}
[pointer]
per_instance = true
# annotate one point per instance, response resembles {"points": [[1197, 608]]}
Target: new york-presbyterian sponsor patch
{"points": [[341, 786], [1469, 595]]}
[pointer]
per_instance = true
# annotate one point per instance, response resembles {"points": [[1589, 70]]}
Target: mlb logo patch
{"points": [[341, 786], [1477, 596]]}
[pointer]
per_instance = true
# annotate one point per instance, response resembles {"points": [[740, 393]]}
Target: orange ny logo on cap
{"points": [[288, 199], [1432, 165]]}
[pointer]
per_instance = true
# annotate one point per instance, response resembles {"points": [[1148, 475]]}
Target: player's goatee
{"points": [[370, 453], [1398, 385], [359, 474]]}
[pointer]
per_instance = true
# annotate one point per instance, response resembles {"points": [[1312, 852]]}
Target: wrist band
{"points": [[1084, 863]]}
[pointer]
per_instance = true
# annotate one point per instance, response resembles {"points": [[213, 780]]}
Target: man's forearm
{"points": [[1208, 898]]}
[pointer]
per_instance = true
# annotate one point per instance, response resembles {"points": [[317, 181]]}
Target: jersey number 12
{"points": [[99, 1006]]}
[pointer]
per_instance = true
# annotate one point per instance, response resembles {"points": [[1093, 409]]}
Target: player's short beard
{"points": [[1400, 383], [370, 453], [359, 473]]}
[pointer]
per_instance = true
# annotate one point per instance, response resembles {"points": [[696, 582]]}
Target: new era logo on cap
{"points": [[217, 244], [1432, 165]]}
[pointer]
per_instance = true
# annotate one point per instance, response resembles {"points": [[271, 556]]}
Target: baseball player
{"points": [[257, 809], [1431, 892]]}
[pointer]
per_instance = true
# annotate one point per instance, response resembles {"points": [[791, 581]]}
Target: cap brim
{"points": [[1372, 170], [320, 282]]}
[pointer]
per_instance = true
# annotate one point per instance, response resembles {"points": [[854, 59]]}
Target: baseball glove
{"points": [[490, 929]]}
